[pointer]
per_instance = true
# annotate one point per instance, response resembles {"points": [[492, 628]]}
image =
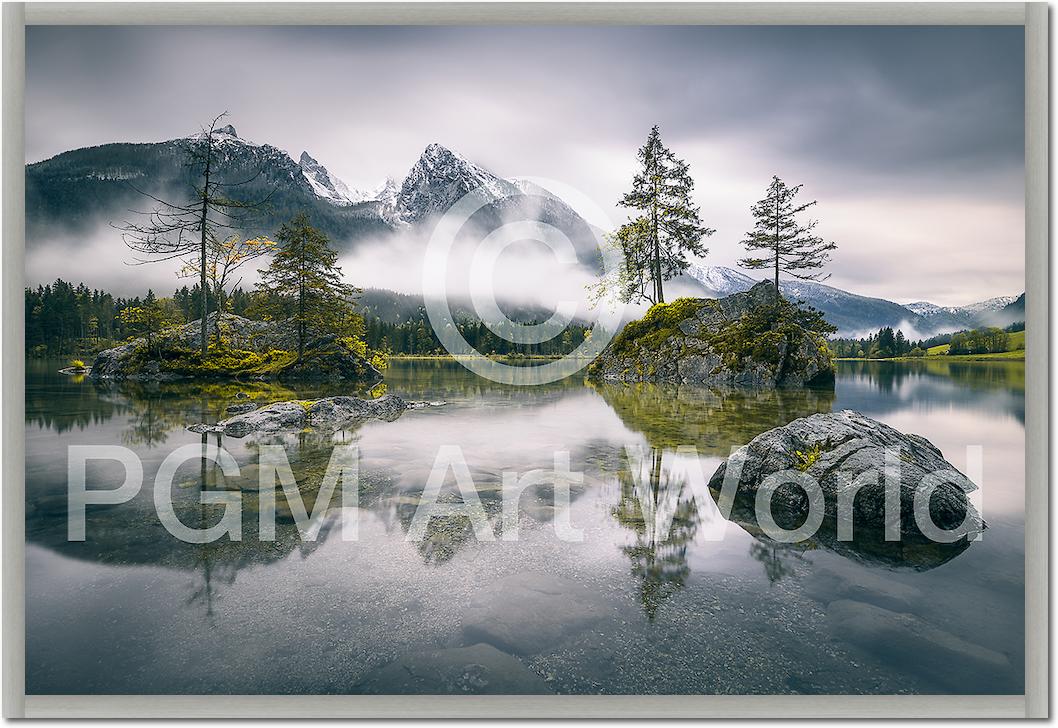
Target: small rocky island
{"points": [[252, 350], [746, 339]]}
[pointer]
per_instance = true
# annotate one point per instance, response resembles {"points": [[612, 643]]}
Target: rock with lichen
{"points": [[848, 455], [745, 339]]}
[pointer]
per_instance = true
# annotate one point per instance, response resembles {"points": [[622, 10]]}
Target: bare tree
{"points": [[223, 260], [174, 230]]}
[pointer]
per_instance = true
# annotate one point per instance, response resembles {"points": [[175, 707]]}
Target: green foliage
{"points": [[668, 227], [151, 318], [784, 244], [304, 283], [77, 364], [887, 344], [759, 334], [806, 458]]}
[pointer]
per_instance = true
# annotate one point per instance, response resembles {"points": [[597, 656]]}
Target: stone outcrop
{"points": [[726, 341], [252, 349], [846, 450], [330, 413]]}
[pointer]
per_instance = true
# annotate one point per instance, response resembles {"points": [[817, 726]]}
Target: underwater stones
{"points": [[938, 655], [530, 612], [331, 413], [477, 670], [835, 449]]}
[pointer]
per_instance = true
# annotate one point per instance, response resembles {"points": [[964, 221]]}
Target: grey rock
{"points": [[909, 643], [852, 582], [331, 413], [530, 613], [476, 670], [239, 409], [847, 445], [684, 355]]}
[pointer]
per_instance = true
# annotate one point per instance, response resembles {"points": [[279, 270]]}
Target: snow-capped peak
{"points": [[991, 304], [326, 185], [386, 192], [222, 135], [720, 280], [439, 178]]}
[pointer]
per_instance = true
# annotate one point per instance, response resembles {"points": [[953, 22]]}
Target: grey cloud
{"points": [[858, 114]]}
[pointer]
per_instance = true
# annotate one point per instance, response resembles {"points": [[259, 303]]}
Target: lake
{"points": [[711, 606]]}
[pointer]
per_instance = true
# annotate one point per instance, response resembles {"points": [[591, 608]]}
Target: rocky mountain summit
{"points": [[726, 341]]}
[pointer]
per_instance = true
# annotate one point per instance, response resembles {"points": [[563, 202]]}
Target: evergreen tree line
{"points": [[63, 319], [417, 337], [887, 343]]}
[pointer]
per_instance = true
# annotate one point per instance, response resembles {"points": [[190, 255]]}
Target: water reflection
{"points": [[664, 520], [981, 386], [711, 420], [676, 594]]}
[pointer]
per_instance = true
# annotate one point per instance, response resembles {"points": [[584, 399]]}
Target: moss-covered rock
{"points": [[251, 349], [741, 340]]}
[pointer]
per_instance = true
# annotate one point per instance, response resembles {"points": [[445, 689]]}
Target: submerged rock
{"points": [[836, 449], [530, 613], [909, 643], [252, 349], [331, 413], [726, 341], [476, 670]]}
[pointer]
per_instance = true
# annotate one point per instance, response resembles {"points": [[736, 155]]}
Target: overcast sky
{"points": [[911, 138]]}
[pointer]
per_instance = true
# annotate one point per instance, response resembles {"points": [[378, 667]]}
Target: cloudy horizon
{"points": [[910, 138]]}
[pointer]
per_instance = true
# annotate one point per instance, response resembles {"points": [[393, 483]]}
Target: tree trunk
{"points": [[203, 334], [659, 293], [777, 297]]}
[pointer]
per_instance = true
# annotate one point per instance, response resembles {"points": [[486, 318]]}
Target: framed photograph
{"points": [[525, 360]]}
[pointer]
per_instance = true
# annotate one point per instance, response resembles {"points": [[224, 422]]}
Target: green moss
{"points": [[657, 329], [225, 362]]}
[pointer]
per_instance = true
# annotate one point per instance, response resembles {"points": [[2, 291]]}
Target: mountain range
{"points": [[856, 315], [73, 191]]}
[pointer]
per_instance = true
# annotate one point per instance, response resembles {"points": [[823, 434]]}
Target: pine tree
{"points": [[656, 242], [791, 247], [305, 284]]}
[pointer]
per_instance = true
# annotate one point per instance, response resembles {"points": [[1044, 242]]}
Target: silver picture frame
{"points": [[1033, 704]]}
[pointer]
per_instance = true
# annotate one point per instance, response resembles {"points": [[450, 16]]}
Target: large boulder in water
{"points": [[738, 340], [254, 349], [329, 414], [847, 450]]}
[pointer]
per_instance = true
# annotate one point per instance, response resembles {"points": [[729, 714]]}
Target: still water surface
{"points": [[709, 607]]}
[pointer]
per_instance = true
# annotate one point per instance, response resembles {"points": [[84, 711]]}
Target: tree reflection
{"points": [[648, 501]]}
